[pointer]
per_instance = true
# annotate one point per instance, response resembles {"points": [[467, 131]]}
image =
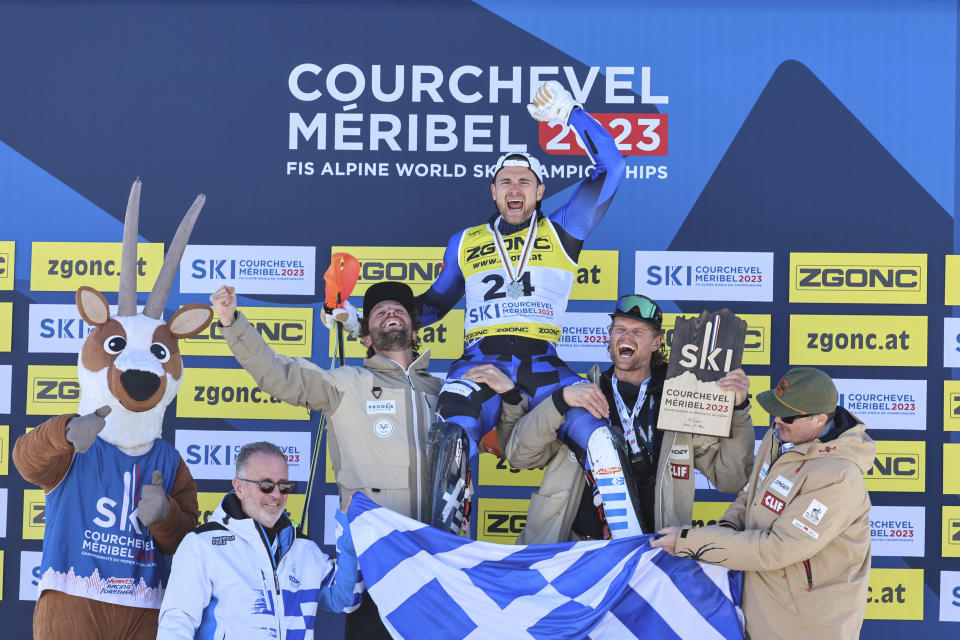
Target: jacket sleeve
{"points": [[534, 440], [188, 592], [184, 513], [342, 589], [510, 415], [792, 538], [727, 461], [44, 455], [293, 380]]}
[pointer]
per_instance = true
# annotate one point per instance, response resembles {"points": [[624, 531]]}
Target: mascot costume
{"points": [[118, 497]]}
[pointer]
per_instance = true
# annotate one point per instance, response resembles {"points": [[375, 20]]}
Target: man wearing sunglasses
{"points": [[516, 271], [624, 400], [246, 573], [800, 530]]}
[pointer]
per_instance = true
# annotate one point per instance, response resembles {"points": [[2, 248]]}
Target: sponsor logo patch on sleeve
{"points": [[680, 452], [381, 406], [815, 511], [782, 486], [773, 503], [807, 530], [680, 471]]}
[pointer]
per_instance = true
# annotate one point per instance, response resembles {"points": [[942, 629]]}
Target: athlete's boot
{"points": [[449, 459]]}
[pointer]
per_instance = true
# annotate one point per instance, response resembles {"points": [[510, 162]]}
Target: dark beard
{"points": [[391, 340]]}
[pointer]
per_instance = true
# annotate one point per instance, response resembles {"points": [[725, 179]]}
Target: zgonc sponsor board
{"points": [[497, 472], [6, 265], [52, 389], [288, 330], [597, 275], [501, 519], [65, 266], [895, 594], [864, 341], [443, 338], [951, 405], [208, 501], [230, 393], [6, 325], [899, 466], [950, 540], [850, 278]]}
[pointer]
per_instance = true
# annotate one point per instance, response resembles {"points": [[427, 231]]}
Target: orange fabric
{"points": [[341, 277]]}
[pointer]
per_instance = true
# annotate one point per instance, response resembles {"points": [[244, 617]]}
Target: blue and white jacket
{"points": [[226, 582]]}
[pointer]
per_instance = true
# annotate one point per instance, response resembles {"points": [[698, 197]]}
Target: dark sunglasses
{"points": [[266, 486], [640, 305], [790, 419]]}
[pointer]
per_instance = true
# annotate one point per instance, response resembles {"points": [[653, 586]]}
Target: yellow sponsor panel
{"points": [[497, 472], [882, 278], [208, 501], [900, 465], [708, 513], [950, 538], [64, 266], [6, 325], [443, 338], [895, 594], [6, 264], [878, 341], [329, 476], [758, 384], [501, 519], [415, 266], [951, 294], [1, 574], [288, 330], [951, 405], [230, 393], [52, 389], [34, 514], [4, 449], [951, 468], [597, 276], [756, 348]]}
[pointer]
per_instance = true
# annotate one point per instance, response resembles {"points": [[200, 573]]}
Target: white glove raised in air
{"points": [[347, 316], [552, 103]]}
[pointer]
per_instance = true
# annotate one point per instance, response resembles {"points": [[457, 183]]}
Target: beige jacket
{"points": [[801, 533], [533, 443], [378, 416]]}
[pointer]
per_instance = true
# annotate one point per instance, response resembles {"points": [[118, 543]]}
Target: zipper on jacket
{"points": [[806, 567], [416, 442]]}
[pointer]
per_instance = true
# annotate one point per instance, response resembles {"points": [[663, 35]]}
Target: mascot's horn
{"points": [[161, 288], [127, 298]]}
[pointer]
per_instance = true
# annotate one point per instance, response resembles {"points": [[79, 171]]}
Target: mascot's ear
{"points": [[190, 320], [93, 306]]}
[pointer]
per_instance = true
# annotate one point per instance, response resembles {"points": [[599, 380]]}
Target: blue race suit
{"points": [[518, 334]]}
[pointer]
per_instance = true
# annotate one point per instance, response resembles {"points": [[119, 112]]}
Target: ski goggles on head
{"points": [[266, 486], [639, 307]]}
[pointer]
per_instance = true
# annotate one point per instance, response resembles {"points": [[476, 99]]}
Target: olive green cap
{"points": [[801, 391]]}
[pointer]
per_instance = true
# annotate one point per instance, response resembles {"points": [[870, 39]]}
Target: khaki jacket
{"points": [[533, 443], [378, 416], [800, 530]]}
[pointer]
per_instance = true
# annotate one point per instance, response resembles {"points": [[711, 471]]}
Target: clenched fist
{"points": [[224, 301], [552, 103]]}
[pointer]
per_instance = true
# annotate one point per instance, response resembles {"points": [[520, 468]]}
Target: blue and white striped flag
{"points": [[429, 584]]}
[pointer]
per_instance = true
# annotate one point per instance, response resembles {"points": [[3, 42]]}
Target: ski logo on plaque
{"points": [[704, 350]]}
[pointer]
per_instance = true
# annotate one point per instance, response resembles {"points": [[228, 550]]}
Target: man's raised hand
{"points": [[224, 301], [552, 103]]}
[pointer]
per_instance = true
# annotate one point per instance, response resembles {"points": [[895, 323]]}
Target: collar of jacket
{"points": [[383, 363], [230, 514], [850, 442]]}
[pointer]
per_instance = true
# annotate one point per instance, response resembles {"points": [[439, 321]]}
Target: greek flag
{"points": [[431, 584]]}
